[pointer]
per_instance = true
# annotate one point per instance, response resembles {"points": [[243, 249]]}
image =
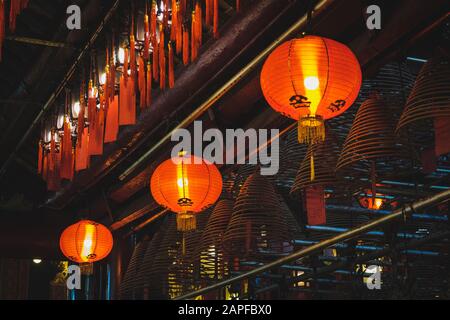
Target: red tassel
{"points": [[208, 12], [133, 57], [112, 121], [127, 103], [162, 59], [171, 67], [179, 35], [156, 62], [153, 21], [185, 46], [199, 25], [40, 156], [45, 165], [173, 28], [216, 19], [146, 38], [148, 91], [193, 38], [82, 152], [66, 150], [125, 65], [141, 82], [80, 122], [2, 26]]}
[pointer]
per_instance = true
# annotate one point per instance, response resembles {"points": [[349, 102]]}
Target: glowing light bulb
{"points": [[76, 109], [121, 55], [37, 261], [60, 121], [312, 83], [181, 184], [103, 79], [378, 203]]}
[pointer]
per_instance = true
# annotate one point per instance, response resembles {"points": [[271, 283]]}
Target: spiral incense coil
{"points": [[430, 97], [143, 282], [213, 260], [295, 231], [184, 272], [257, 227], [165, 256], [129, 283], [320, 158], [372, 137]]}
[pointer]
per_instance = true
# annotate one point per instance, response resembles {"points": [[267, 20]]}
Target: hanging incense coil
{"points": [[294, 229], [257, 228], [184, 272], [165, 256], [429, 99], [129, 282], [372, 138], [324, 161], [213, 259], [143, 282], [291, 154]]}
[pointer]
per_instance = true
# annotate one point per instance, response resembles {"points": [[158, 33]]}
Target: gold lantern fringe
{"points": [[311, 130], [87, 269], [186, 222]]}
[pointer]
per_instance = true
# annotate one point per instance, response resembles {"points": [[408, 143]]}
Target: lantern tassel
{"points": [[311, 130], [179, 31], [173, 29], [186, 222], [162, 59], [313, 171]]}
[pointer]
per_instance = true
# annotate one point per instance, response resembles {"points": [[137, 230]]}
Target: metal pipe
{"points": [[319, 8], [60, 88], [147, 222], [397, 214]]}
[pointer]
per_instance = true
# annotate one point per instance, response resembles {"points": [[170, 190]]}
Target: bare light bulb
{"points": [[103, 79], [121, 55], [312, 83], [76, 109]]}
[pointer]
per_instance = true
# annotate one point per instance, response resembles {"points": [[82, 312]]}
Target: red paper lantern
{"points": [[311, 79], [86, 242], [186, 185]]}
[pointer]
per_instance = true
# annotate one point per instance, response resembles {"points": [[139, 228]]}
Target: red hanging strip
{"points": [[162, 59], [185, 46], [208, 12], [193, 38], [112, 121], [112, 74], [126, 65], [40, 156], [146, 37], [171, 67], [2, 26], [199, 25], [45, 165], [216, 19], [155, 62], [442, 135], [179, 30], [148, 91], [82, 152], [238, 6], [174, 26], [133, 57], [153, 24], [66, 151], [315, 205], [127, 102], [81, 119], [141, 82]]}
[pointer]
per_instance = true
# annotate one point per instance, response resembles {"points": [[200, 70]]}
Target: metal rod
{"points": [[397, 214], [227, 86], [147, 222], [60, 88], [37, 42]]}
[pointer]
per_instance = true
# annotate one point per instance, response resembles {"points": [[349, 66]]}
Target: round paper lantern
{"points": [[86, 242], [311, 79], [186, 185]]}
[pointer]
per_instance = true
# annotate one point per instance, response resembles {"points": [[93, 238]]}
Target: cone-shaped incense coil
{"points": [[129, 282], [257, 226], [213, 260]]}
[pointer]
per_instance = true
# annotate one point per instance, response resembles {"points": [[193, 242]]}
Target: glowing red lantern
{"points": [[311, 79], [86, 242], [186, 185]]}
